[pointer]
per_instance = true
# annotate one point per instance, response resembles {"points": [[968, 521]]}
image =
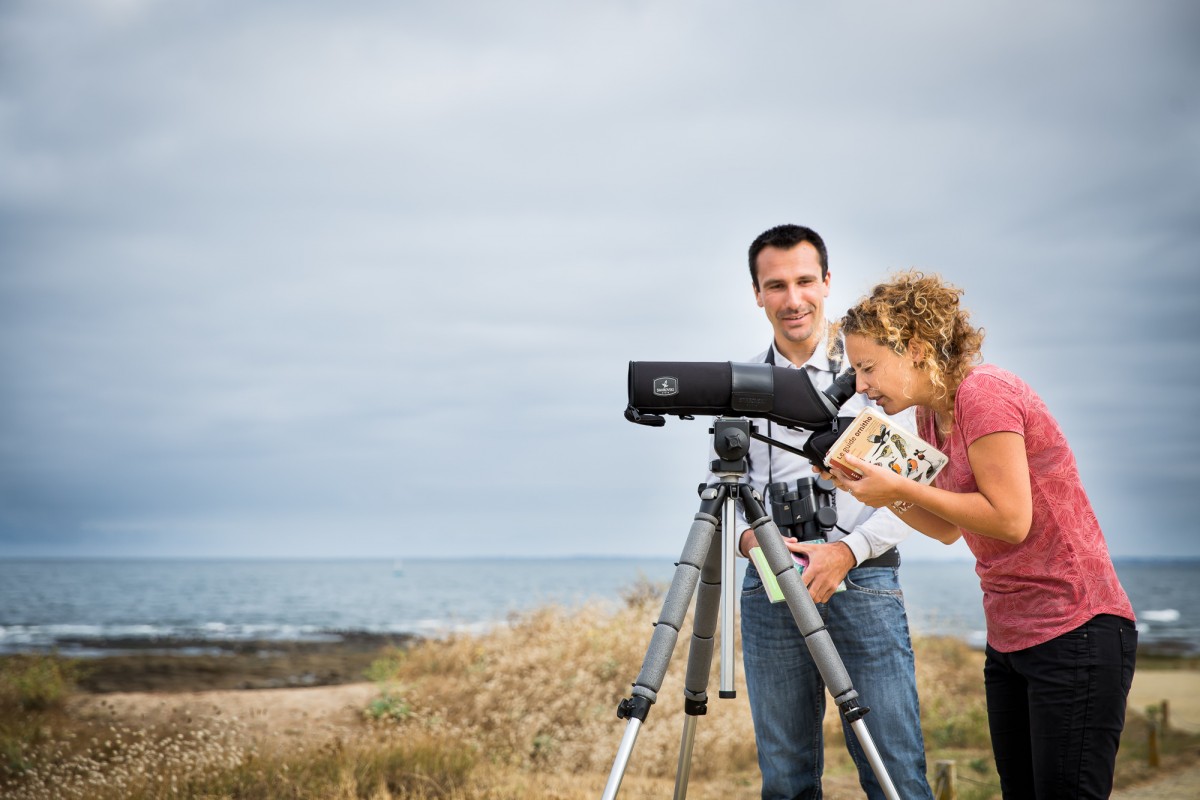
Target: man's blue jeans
{"points": [[869, 628]]}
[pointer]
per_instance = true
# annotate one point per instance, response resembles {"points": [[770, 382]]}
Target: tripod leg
{"points": [[699, 663], [816, 637], [728, 567], [666, 631]]}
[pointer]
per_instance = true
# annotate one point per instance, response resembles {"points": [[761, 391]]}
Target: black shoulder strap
{"points": [[836, 352], [770, 451]]}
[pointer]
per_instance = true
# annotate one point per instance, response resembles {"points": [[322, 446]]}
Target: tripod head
{"points": [[730, 389], [731, 441]]}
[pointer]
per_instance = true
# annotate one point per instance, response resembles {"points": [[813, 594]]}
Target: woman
{"points": [[1061, 636]]}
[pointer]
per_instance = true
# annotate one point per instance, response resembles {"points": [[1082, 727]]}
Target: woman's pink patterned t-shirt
{"points": [[1061, 575]]}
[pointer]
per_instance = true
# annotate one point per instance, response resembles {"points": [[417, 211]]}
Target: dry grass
{"points": [[68, 759], [541, 695], [527, 712], [548, 702]]}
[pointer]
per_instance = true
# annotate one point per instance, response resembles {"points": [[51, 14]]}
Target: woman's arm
{"points": [[1002, 508], [930, 524], [915, 517]]}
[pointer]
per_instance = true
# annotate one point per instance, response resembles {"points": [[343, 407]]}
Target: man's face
{"points": [[792, 292]]}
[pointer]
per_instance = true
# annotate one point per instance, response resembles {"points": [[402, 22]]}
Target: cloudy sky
{"points": [[363, 279]]}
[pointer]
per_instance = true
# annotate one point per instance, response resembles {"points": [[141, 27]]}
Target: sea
{"points": [[87, 608]]}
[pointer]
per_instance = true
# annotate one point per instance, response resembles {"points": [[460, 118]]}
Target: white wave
{"points": [[1160, 615]]}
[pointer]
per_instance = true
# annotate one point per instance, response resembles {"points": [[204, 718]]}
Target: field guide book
{"points": [[874, 437]]}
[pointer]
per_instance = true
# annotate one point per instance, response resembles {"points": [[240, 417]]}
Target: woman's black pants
{"points": [[1056, 710]]}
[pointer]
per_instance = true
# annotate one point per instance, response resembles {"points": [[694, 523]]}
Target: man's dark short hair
{"points": [[785, 237]]}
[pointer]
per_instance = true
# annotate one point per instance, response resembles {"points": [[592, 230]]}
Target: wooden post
{"points": [[1152, 745], [945, 781], [1165, 713]]}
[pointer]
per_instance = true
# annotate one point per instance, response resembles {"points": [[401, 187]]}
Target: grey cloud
{"points": [[326, 276]]}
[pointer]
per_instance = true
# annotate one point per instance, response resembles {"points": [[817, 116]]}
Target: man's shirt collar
{"points": [[821, 359]]}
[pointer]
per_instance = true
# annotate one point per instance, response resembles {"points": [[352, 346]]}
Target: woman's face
{"points": [[891, 380]]}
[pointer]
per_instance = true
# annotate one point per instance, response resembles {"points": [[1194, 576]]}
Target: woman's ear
{"points": [[916, 351]]}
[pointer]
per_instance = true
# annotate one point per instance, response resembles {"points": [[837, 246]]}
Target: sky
{"points": [[363, 279]]}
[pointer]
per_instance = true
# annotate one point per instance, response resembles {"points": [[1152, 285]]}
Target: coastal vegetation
{"points": [[525, 711]]}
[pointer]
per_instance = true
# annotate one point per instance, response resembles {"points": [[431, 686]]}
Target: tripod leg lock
{"points": [[695, 707], [852, 711], [634, 708]]}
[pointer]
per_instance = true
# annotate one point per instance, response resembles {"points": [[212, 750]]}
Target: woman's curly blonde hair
{"points": [[923, 309]]}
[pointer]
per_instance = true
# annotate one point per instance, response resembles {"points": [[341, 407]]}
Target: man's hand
{"points": [[827, 567]]}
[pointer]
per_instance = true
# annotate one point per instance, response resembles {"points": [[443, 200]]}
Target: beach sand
{"points": [[1180, 687], [265, 718], [279, 694]]}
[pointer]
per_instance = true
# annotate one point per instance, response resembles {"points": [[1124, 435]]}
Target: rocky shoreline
{"points": [[338, 657], [175, 665]]}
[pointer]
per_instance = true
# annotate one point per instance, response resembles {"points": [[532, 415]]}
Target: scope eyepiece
{"points": [[842, 388]]}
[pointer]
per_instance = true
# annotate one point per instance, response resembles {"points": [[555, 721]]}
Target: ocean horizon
{"points": [[95, 606]]}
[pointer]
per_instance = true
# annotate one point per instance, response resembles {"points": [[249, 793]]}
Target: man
{"points": [[866, 620]]}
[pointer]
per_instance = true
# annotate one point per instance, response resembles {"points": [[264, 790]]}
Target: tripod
{"points": [[706, 570]]}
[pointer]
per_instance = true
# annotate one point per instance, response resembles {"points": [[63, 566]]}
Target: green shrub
{"points": [[389, 706], [37, 682]]}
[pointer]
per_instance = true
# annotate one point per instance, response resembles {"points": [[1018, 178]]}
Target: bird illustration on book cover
{"points": [[876, 438]]}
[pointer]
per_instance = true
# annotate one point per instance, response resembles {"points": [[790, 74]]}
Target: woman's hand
{"points": [[1000, 508], [878, 486]]}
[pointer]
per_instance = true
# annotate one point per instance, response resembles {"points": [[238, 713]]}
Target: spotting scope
{"points": [[687, 389]]}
